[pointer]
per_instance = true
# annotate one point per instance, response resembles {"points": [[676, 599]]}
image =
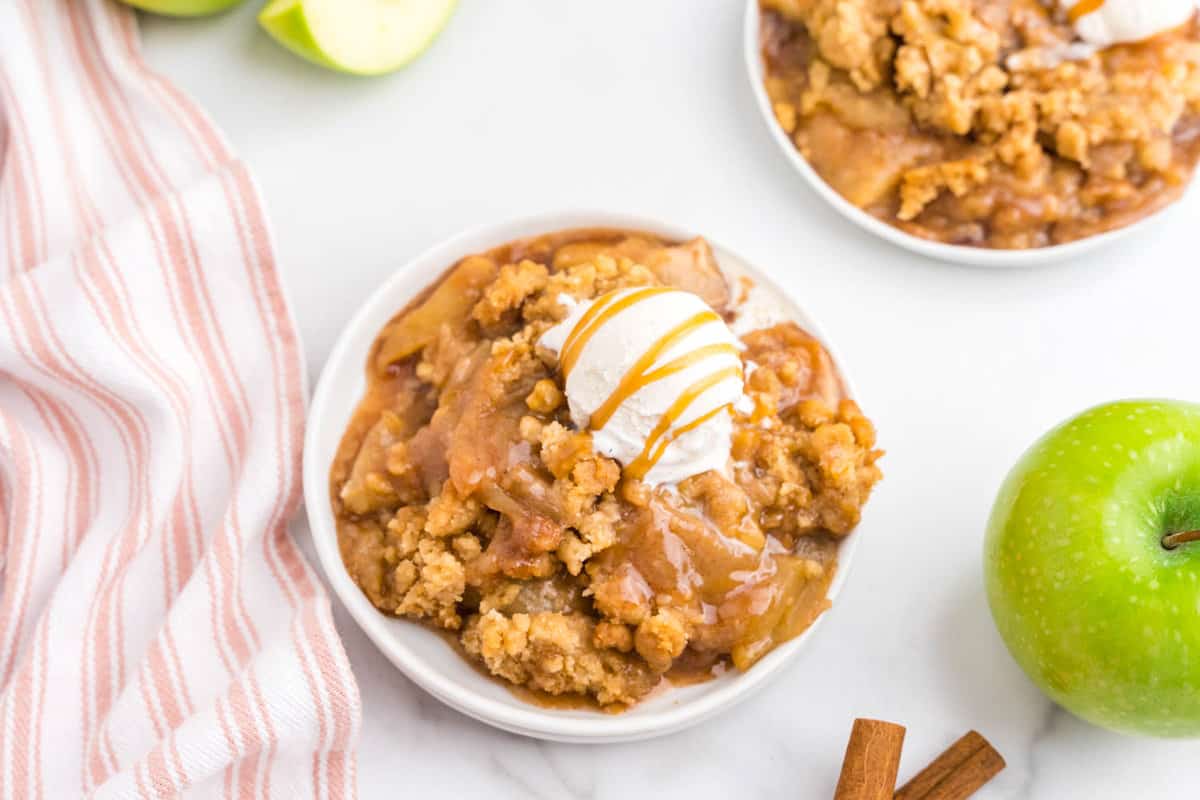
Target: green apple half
{"points": [[361, 37], [183, 8], [1093, 574]]}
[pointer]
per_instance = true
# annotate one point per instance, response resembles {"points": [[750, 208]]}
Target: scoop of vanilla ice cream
{"points": [[1110, 22], [653, 373]]}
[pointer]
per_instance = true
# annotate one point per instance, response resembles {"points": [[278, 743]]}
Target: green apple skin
{"points": [[183, 8], [291, 24], [1102, 617]]}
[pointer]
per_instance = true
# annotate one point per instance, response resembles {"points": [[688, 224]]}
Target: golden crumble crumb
{"points": [[530, 429], [545, 397], [660, 639], [1071, 141], [621, 594], [515, 283], [404, 529], [613, 635], [572, 552], [403, 577], [466, 547], [813, 412], [449, 514], [438, 581]]}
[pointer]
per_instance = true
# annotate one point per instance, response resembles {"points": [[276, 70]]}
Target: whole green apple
{"points": [[183, 8], [1092, 576]]}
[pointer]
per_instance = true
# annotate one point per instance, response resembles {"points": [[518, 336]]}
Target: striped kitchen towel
{"points": [[160, 633]]}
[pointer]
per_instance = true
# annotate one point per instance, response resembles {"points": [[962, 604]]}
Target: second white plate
{"points": [[959, 254]]}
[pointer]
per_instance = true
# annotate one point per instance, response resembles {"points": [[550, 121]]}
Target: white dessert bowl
{"points": [[953, 253], [422, 654]]}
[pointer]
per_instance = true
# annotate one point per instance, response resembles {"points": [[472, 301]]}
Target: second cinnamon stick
{"points": [[957, 773]]}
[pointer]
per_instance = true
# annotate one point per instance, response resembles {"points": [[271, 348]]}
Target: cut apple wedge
{"points": [[361, 37], [183, 8]]}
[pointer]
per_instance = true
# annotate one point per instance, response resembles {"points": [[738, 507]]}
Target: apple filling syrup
{"points": [[467, 499]]}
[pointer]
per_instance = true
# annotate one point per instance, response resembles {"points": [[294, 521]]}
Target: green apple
{"points": [[361, 37], [1093, 574], [183, 8]]}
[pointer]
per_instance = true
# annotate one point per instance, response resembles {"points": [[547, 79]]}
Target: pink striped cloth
{"points": [[160, 634]]}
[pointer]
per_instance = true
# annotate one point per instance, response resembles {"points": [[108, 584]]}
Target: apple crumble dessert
{"points": [[566, 459], [993, 123]]}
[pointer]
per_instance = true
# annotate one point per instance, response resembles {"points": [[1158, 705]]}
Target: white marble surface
{"points": [[530, 105]]}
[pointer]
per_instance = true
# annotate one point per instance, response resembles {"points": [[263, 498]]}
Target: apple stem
{"points": [[1173, 540]]}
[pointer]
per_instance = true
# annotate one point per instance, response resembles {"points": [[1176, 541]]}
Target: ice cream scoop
{"points": [[653, 373], [1107, 22]]}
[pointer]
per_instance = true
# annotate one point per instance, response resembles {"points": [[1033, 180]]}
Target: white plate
{"points": [[961, 254], [423, 655]]}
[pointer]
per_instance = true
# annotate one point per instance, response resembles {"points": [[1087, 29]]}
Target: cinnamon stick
{"points": [[957, 773], [872, 761]]}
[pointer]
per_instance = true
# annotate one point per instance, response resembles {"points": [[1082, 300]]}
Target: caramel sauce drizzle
{"points": [[1083, 8], [662, 435], [637, 378], [675, 434], [639, 375], [594, 318]]}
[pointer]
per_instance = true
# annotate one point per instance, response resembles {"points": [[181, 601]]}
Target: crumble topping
{"points": [[465, 498]]}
